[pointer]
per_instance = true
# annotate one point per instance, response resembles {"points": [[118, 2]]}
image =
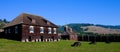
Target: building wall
{"points": [[25, 36], [9, 32], [69, 34], [37, 36], [73, 37]]}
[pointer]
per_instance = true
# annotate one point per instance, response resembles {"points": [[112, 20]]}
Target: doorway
{"points": [[53, 37], [30, 38], [41, 38]]}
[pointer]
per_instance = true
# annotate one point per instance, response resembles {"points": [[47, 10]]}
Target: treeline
{"points": [[3, 22], [109, 26]]}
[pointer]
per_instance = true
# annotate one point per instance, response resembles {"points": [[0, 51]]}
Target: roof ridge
{"points": [[22, 18]]}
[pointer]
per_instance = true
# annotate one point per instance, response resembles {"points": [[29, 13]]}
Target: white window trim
{"points": [[49, 30], [30, 29], [55, 31], [42, 28]]}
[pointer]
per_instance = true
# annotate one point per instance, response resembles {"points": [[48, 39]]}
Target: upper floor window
{"points": [[49, 30], [41, 29], [16, 29], [31, 28], [54, 30]]}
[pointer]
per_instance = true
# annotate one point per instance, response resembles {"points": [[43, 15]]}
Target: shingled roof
{"points": [[30, 19]]}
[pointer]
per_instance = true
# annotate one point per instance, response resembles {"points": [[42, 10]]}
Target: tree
{"points": [[4, 20]]}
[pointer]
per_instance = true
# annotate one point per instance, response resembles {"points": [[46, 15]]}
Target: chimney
{"points": [[65, 27], [71, 29], [48, 23]]}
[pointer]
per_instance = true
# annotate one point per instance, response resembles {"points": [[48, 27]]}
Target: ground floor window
{"points": [[8, 30], [16, 29]]}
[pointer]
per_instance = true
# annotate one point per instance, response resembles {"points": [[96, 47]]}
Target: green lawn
{"points": [[61, 46]]}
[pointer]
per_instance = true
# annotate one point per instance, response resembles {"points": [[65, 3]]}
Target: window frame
{"points": [[9, 30], [31, 29], [16, 29], [41, 29], [49, 30], [54, 30], [6, 31]]}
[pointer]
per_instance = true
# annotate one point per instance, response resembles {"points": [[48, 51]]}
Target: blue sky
{"points": [[60, 12]]}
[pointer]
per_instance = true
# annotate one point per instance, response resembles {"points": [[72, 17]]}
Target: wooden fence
{"points": [[99, 38]]}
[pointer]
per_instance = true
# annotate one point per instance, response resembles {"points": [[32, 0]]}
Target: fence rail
{"points": [[113, 38]]}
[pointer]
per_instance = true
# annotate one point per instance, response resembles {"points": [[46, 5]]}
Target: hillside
{"points": [[85, 28], [101, 30]]}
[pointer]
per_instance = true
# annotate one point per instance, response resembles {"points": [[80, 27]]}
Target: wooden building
{"points": [[31, 28], [68, 34]]}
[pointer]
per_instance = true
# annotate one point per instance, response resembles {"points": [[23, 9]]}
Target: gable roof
{"points": [[30, 19]]}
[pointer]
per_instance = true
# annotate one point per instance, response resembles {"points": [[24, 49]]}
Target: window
{"points": [[5, 31], [54, 30], [8, 30], [49, 30], [16, 29], [41, 29], [31, 29]]}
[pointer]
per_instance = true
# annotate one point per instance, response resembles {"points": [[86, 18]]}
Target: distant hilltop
{"points": [[92, 28]]}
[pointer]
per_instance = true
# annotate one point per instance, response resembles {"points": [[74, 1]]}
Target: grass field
{"points": [[61, 46]]}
